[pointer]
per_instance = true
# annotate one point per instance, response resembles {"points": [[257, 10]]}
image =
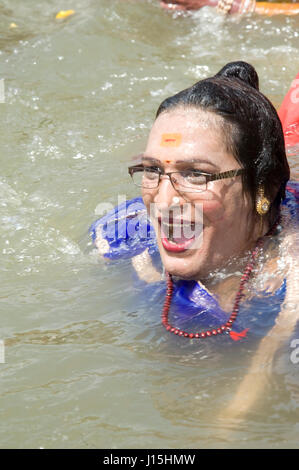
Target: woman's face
{"points": [[188, 139]]}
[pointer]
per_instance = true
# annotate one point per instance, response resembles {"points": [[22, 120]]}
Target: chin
{"points": [[182, 267]]}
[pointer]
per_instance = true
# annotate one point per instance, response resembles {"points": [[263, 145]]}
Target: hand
{"points": [[184, 4]]}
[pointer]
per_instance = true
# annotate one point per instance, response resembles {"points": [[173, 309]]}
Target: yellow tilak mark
{"points": [[64, 14], [171, 140]]}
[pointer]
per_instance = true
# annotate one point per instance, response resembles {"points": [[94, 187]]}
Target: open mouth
{"points": [[179, 235]]}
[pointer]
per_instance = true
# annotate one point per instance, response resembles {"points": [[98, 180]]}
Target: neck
{"points": [[230, 268], [223, 283], [233, 267]]}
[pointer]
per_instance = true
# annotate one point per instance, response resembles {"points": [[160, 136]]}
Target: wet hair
{"points": [[251, 127]]}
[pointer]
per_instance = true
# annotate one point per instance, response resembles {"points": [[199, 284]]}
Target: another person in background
{"points": [[234, 6]]}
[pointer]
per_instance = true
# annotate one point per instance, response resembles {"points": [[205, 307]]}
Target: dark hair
{"points": [[251, 127]]}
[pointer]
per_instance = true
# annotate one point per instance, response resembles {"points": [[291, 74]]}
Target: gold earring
{"points": [[262, 203]]}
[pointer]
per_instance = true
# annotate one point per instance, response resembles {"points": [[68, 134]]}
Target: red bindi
{"points": [[171, 140]]}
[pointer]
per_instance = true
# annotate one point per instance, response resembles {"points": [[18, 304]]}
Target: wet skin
{"points": [[226, 211]]}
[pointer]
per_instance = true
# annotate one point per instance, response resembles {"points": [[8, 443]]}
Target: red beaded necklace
{"points": [[226, 327]]}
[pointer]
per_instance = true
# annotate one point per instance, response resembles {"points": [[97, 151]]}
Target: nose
{"points": [[165, 194]]}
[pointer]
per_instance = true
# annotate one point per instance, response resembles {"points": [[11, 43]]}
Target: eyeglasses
{"points": [[183, 181]]}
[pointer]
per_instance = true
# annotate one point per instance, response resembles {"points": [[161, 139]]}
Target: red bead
{"points": [[227, 326]]}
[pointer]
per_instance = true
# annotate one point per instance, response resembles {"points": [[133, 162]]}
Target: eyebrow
{"points": [[180, 162]]}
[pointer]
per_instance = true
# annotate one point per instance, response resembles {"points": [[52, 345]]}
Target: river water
{"points": [[87, 363]]}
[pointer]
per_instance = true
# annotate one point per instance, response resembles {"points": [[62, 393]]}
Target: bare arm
{"points": [[187, 4], [262, 8], [143, 266], [253, 385]]}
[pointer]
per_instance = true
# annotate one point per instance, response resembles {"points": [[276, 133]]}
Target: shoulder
{"points": [[279, 253]]}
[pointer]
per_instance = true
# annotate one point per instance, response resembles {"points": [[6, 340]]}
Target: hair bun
{"points": [[241, 70]]}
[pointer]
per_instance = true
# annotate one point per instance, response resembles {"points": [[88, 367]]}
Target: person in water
{"points": [[234, 6], [217, 148]]}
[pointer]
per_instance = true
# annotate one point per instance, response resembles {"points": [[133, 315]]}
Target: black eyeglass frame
{"points": [[209, 176]]}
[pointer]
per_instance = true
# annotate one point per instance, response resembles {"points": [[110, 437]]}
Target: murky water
{"points": [[87, 362]]}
